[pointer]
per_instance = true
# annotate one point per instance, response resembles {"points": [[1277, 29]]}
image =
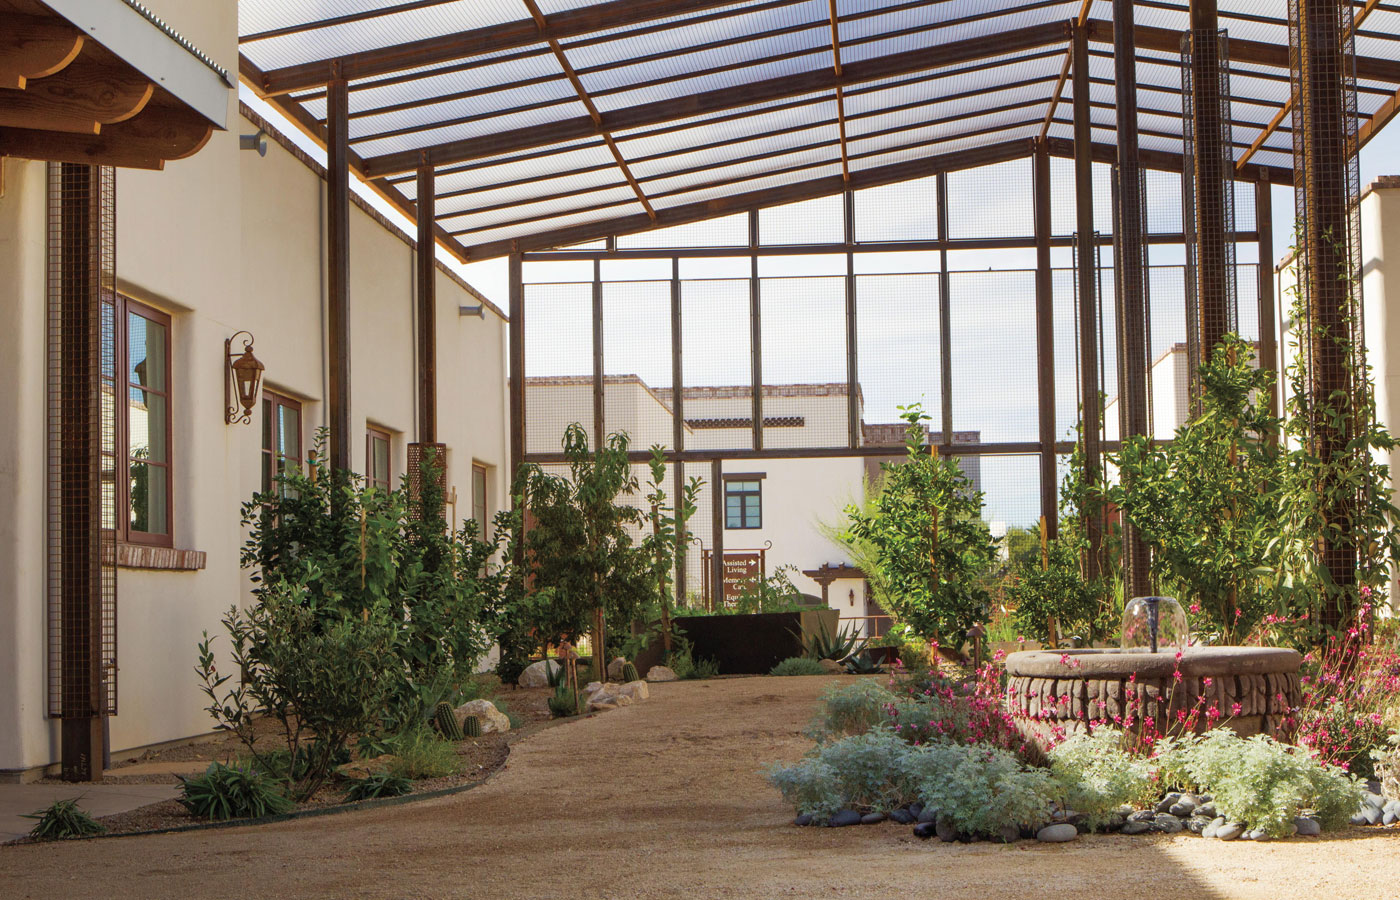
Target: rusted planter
{"points": [[1252, 689]]}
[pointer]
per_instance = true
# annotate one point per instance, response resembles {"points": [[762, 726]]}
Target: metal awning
{"points": [[103, 82], [551, 122]]}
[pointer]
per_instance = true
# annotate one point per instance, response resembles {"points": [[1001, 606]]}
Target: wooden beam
{"points": [[338, 274], [163, 131], [722, 99], [427, 310], [1064, 71], [840, 97], [81, 98], [463, 44], [35, 47]]}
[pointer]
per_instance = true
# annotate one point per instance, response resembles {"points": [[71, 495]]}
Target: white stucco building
{"points": [[224, 241]]}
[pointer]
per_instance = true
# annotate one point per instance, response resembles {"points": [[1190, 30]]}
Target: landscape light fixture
{"points": [[242, 379]]}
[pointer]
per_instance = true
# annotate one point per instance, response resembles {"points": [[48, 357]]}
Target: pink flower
{"points": [[1235, 709]]}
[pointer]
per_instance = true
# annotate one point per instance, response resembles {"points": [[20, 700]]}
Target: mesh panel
{"points": [[718, 364], [637, 361], [991, 201], [804, 362], [816, 221], [994, 355], [559, 363], [898, 351], [907, 211]]}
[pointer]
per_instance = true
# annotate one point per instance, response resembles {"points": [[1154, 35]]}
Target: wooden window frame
{"points": [[757, 479], [272, 401], [124, 308], [482, 523], [373, 433]]}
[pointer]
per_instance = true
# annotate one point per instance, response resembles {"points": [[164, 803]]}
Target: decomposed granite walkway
{"points": [[665, 799]]}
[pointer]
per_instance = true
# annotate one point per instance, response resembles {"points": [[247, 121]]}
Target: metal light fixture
{"points": [[257, 142], [242, 380]]}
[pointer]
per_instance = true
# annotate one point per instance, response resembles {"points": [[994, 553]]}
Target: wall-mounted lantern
{"points": [[242, 379]]}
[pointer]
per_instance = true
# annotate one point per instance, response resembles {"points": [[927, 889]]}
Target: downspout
{"points": [[325, 300]]}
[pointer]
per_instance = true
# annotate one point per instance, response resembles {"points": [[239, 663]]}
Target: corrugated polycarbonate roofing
{"points": [[706, 107]]}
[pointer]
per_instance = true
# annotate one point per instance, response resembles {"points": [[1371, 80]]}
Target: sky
{"points": [[994, 391]]}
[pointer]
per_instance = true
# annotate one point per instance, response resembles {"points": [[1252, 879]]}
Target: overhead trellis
{"points": [[555, 121]]}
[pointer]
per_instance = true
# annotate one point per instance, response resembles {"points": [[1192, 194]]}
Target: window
{"points": [[378, 472], [479, 499], [743, 501], [281, 442], [143, 346]]}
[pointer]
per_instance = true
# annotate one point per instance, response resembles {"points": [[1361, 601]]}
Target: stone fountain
{"points": [[1155, 672]]}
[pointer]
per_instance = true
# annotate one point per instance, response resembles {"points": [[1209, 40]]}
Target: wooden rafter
{"points": [[1286, 110], [1064, 71], [588, 104], [35, 47], [840, 96], [93, 90]]}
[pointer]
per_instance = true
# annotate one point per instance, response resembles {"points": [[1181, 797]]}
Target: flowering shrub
{"points": [[1348, 689], [940, 706], [849, 709]]}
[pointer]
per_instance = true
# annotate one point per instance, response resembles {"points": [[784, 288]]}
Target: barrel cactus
{"points": [[629, 673], [445, 718], [471, 726]]}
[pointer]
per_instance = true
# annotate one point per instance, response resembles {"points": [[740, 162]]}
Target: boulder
{"points": [[1057, 834], [365, 767], [843, 818], [535, 675], [491, 718], [660, 673], [615, 669], [1307, 826], [831, 666], [637, 690]]}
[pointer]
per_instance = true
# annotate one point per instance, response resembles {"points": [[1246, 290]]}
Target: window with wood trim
{"points": [[479, 499], [143, 346], [281, 438], [743, 502], [379, 459]]}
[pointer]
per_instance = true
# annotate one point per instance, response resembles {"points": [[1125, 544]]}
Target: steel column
{"points": [[427, 308], [598, 390], [1328, 271], [1045, 340], [756, 333], [1086, 250], [338, 267], [945, 320], [1268, 326], [1130, 270], [717, 533], [853, 393], [517, 368], [1211, 174]]}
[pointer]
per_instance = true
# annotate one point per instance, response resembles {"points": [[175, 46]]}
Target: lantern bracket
{"points": [[242, 380]]}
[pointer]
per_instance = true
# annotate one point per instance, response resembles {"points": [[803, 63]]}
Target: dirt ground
{"points": [[665, 799]]}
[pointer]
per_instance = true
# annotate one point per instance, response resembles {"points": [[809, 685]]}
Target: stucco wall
{"points": [[223, 241]]}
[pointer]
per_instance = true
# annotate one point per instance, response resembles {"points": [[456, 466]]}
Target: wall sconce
{"points": [[853, 596], [242, 379], [256, 142]]}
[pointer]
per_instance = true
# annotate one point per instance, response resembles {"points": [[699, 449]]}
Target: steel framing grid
{"points": [[577, 121], [1089, 296]]}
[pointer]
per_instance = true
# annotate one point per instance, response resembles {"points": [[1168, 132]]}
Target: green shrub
{"points": [[563, 703], [62, 820], [981, 790], [420, 753], [825, 645], [848, 709], [798, 665], [504, 708], [1098, 776], [234, 792], [378, 784], [703, 668], [1265, 784], [864, 772]]}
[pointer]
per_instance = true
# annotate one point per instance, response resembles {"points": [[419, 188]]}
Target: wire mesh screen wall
{"points": [[82, 441], [796, 333]]}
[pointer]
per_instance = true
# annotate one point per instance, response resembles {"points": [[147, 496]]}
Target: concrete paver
{"points": [[96, 800]]}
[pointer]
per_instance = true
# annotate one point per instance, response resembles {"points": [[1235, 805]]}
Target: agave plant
{"points": [[825, 645], [862, 664]]}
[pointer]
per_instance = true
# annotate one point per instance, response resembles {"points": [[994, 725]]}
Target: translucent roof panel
{"points": [[564, 128]]}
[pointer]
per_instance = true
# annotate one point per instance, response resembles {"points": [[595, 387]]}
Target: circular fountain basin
{"points": [[1250, 689]]}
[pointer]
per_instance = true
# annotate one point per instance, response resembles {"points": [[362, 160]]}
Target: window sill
{"points": [[158, 559]]}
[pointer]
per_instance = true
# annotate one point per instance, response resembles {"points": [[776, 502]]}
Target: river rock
{"points": [[1057, 834], [1166, 823], [925, 830], [1359, 819], [1229, 831], [874, 818], [845, 817], [1307, 826], [1135, 826], [804, 819], [928, 815], [1168, 802], [491, 718], [902, 816], [1197, 824], [1009, 834], [1207, 810], [534, 675], [1214, 826], [1183, 808], [660, 673], [1142, 815], [1372, 814], [1375, 800], [946, 830]]}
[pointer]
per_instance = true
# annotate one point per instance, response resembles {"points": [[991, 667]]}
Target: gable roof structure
{"points": [[553, 122]]}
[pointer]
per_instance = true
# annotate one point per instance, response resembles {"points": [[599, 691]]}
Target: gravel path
{"points": [[665, 800]]}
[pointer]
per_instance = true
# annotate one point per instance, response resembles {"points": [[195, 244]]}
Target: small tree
{"points": [[931, 546], [669, 533], [1208, 502], [582, 562]]}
